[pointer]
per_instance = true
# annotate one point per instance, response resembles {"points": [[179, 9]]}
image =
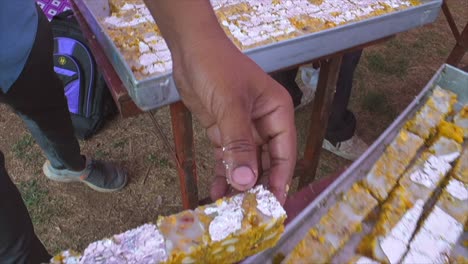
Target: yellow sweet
{"points": [[391, 165], [461, 168], [334, 228], [391, 213], [450, 130], [309, 250], [453, 202]]}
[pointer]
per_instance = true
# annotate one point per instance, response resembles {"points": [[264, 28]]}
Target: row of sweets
{"points": [[226, 231], [401, 183]]}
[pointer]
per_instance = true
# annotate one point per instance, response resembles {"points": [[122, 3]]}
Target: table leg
{"points": [[450, 20], [326, 87], [461, 47], [182, 130]]}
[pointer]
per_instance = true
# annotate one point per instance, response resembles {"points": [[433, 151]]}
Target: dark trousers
{"points": [[18, 242], [38, 97], [342, 123]]}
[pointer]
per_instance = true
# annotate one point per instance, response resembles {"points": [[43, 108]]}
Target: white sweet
{"points": [[148, 59], [228, 218], [443, 225], [267, 202], [393, 248], [433, 170], [435, 239], [143, 47], [365, 260], [413, 257], [406, 226], [394, 244], [457, 189], [142, 245], [429, 245]]}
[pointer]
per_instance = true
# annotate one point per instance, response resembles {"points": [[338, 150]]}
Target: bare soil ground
{"points": [[388, 77]]}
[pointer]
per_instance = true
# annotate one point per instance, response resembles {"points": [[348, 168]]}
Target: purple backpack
{"points": [[89, 101]]}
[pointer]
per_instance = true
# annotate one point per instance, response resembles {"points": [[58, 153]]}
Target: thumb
{"points": [[239, 149]]}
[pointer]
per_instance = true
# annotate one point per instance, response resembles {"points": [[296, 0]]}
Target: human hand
{"points": [[242, 108]]}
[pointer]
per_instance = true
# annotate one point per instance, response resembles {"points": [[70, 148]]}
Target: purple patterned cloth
{"points": [[53, 7]]}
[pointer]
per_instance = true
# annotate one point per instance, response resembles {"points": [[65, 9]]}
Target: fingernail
{"points": [[243, 175]]}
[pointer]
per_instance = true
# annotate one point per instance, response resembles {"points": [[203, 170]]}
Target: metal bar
{"points": [[319, 118], [460, 48], [164, 139], [182, 130], [450, 20]]}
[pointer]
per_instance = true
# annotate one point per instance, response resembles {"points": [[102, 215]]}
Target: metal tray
{"points": [[157, 91], [447, 77]]}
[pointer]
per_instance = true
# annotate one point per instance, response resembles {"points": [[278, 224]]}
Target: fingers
{"points": [[279, 127], [219, 185], [238, 147]]}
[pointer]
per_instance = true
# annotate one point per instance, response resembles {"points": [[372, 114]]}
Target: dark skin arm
{"points": [[234, 99]]}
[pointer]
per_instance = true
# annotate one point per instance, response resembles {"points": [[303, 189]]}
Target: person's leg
{"points": [[340, 137], [18, 244], [342, 123], [287, 80], [38, 97]]}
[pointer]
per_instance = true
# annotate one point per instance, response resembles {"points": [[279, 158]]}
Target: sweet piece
{"points": [[186, 238], [397, 221], [224, 232], [66, 257], [253, 224], [425, 122], [442, 99], [310, 249], [144, 244], [435, 239], [385, 243], [335, 228], [443, 227], [451, 130], [424, 176], [391, 165], [454, 200], [431, 114], [358, 259], [461, 120], [461, 168]]}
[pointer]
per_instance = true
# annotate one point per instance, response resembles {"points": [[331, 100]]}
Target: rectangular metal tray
{"points": [[157, 91], [447, 77]]}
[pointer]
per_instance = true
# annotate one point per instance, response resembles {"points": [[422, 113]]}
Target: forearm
{"points": [[186, 24]]}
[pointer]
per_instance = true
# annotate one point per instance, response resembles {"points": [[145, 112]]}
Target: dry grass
{"points": [[71, 215]]}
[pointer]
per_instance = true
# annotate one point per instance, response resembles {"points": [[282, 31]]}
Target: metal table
{"points": [[330, 59]]}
